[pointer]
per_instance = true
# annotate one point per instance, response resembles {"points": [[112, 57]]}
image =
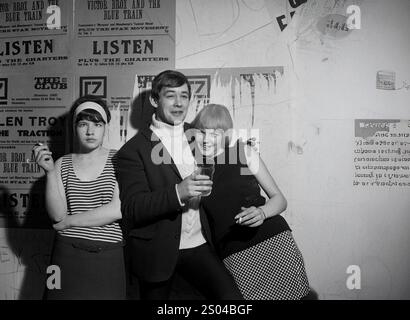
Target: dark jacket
{"points": [[150, 207]]}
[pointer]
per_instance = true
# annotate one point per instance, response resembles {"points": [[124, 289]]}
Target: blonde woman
{"points": [[254, 241]]}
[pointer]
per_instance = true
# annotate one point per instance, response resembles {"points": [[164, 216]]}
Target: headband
{"points": [[90, 105]]}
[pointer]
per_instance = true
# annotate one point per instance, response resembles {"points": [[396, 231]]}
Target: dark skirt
{"points": [[90, 270], [271, 270]]}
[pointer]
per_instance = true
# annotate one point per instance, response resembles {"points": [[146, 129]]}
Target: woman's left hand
{"points": [[251, 217]]}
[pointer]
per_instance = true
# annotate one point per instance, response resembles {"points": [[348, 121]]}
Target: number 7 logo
{"points": [[3, 90], [96, 86], [92, 84]]}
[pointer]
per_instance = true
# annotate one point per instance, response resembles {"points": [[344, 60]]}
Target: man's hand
{"points": [[193, 186]]}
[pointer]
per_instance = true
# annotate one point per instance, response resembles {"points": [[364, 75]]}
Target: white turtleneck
{"points": [[174, 140]]}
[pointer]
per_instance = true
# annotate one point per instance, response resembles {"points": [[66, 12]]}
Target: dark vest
{"points": [[235, 187]]}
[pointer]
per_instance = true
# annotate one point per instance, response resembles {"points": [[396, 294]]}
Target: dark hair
{"points": [[90, 114], [168, 78]]}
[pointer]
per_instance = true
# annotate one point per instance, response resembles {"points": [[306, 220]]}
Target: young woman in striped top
{"points": [[82, 199]]}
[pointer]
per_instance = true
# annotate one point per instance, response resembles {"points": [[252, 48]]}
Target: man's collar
{"points": [[147, 132]]}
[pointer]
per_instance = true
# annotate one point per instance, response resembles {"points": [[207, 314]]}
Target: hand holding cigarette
{"points": [[43, 157], [250, 217]]}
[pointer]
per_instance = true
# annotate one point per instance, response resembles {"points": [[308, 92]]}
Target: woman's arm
{"points": [[276, 203], [56, 203], [97, 217]]}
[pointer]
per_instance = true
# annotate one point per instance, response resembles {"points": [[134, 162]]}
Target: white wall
{"points": [[333, 83]]}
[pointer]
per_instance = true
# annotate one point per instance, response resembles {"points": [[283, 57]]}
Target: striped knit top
{"points": [[86, 195]]}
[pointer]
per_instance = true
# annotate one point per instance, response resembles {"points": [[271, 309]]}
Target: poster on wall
{"points": [[244, 91], [112, 42], [34, 33], [124, 34], [33, 109], [44, 68], [381, 155]]}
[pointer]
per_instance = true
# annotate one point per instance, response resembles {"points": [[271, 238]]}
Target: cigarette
{"points": [[240, 220]]}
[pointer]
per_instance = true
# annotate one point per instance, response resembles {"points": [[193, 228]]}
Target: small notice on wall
{"points": [[381, 154], [34, 33], [127, 34]]}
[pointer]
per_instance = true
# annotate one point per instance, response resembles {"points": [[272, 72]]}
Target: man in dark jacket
{"points": [[165, 225]]}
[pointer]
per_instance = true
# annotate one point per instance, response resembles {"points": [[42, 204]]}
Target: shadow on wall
{"points": [[141, 110], [312, 295], [29, 234]]}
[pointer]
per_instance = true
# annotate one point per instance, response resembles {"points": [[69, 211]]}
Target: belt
{"points": [[82, 244]]}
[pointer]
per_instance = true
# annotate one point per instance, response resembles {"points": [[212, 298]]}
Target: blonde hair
{"points": [[214, 116]]}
